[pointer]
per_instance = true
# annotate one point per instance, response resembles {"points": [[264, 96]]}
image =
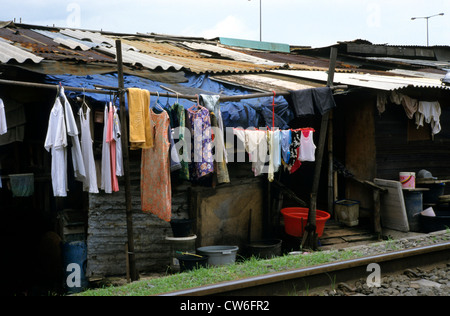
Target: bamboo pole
{"points": [[54, 86], [126, 162], [310, 238], [102, 89]]}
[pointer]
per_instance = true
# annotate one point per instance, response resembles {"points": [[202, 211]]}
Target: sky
{"points": [[315, 23]]}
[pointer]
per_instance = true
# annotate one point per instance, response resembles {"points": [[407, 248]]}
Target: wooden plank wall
{"points": [[396, 154]]}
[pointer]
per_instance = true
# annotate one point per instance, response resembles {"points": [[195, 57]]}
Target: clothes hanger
{"points": [[157, 104], [167, 106], [84, 106], [197, 105]]}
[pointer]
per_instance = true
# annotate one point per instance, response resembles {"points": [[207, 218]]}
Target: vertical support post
{"points": [[331, 199], [310, 238], [377, 211], [126, 164]]}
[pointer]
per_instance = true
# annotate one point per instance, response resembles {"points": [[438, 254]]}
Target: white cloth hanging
{"points": [[90, 182], [106, 180], [72, 131], [3, 124], [274, 142], [257, 149], [56, 143], [117, 132], [307, 147], [430, 112]]}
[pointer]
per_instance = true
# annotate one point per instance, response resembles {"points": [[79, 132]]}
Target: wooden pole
{"points": [[310, 238], [330, 166], [126, 164]]}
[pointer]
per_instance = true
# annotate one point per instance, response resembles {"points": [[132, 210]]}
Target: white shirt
{"points": [[56, 143], [3, 125], [90, 182], [72, 131]]}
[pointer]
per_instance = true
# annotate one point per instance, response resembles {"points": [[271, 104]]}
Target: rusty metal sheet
{"points": [[10, 53], [47, 48]]}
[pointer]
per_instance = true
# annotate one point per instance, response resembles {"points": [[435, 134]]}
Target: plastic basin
{"points": [[190, 262], [265, 249], [296, 219], [219, 255]]}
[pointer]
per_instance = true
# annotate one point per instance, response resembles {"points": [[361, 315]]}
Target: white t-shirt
{"points": [[56, 143], [72, 131]]}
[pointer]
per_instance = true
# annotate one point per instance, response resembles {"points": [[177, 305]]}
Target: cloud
{"points": [[231, 26]]}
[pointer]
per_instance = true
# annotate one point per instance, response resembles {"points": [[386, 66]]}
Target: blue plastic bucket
{"points": [[74, 257]]}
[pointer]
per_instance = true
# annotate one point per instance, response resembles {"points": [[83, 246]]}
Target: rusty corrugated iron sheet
{"points": [[47, 48], [195, 60]]}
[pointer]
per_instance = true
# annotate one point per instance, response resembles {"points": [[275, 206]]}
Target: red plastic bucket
{"points": [[296, 219]]}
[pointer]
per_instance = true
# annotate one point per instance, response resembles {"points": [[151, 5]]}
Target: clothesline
{"points": [[115, 90]]}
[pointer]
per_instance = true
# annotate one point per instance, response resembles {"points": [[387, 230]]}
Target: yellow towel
{"points": [[141, 131]]}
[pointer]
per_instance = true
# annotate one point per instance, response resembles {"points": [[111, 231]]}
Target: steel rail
{"points": [[283, 283]]}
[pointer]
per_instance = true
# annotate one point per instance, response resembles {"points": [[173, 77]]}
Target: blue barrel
{"points": [[414, 206], [74, 257]]}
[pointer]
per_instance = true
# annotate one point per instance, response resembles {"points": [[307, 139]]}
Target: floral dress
{"points": [[156, 191], [202, 162]]}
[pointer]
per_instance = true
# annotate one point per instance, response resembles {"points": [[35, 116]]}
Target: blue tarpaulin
{"points": [[245, 113]]}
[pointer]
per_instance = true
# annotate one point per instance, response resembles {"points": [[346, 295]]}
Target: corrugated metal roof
{"points": [[45, 47], [139, 59], [267, 82], [65, 40], [379, 82], [194, 60], [9, 52], [234, 55], [274, 47]]}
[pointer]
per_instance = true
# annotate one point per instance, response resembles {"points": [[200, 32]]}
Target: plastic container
{"points": [[408, 180], [414, 206], [74, 257], [22, 185], [265, 249], [190, 262], [181, 227], [348, 212], [219, 255], [439, 222], [435, 191], [296, 219], [180, 245]]}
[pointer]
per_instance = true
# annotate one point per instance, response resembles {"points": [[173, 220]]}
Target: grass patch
{"points": [[213, 275]]}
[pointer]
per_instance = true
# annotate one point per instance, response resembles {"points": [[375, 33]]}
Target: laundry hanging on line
{"points": [[62, 132], [422, 111], [268, 150]]}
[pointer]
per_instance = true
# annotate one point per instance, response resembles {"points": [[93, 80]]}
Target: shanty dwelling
{"points": [[380, 130], [95, 229], [41, 225]]}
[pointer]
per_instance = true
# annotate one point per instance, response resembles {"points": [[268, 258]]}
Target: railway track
{"points": [[312, 279]]}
